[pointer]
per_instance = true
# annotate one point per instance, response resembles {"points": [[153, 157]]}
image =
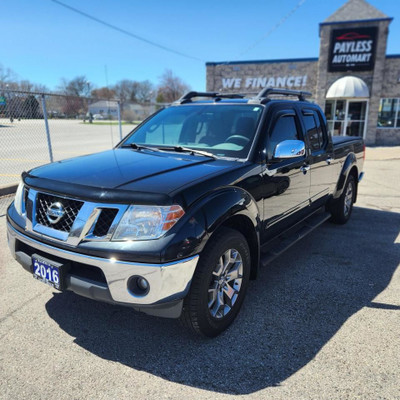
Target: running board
{"points": [[288, 238]]}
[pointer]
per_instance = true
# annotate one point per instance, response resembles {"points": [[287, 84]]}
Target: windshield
{"points": [[223, 130]]}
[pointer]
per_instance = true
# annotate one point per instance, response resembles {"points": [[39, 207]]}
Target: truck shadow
{"points": [[295, 307]]}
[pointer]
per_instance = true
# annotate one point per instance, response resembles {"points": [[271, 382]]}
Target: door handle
{"points": [[305, 168], [329, 160]]}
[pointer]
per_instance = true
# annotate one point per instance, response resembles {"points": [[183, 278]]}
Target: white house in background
{"points": [[139, 111], [104, 108], [110, 108]]}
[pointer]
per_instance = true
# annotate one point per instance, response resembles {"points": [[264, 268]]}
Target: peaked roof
{"points": [[356, 10]]}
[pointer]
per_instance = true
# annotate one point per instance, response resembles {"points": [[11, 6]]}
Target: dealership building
{"points": [[353, 79]]}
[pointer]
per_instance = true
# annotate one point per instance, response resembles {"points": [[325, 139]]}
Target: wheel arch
{"points": [[349, 167], [235, 208], [242, 224], [354, 172]]}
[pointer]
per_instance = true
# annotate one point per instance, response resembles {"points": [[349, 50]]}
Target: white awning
{"points": [[348, 87]]}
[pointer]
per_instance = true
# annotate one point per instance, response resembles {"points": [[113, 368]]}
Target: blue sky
{"points": [[44, 42]]}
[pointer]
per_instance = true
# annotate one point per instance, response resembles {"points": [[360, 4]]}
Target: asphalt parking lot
{"points": [[24, 143], [321, 322]]}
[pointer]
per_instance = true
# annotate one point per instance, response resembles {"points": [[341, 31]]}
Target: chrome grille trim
{"points": [[72, 207], [83, 225]]}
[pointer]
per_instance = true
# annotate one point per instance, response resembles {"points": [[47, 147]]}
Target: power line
{"points": [[275, 27], [125, 32]]}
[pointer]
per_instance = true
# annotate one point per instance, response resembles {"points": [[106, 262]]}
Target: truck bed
{"points": [[342, 145], [344, 140]]}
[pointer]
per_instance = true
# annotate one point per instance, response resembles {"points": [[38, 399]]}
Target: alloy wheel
{"points": [[348, 199], [225, 283]]}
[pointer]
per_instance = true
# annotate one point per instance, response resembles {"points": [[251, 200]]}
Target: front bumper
{"points": [[169, 283]]}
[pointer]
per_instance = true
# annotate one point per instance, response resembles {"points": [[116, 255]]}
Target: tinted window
{"points": [[316, 135], [323, 138], [312, 131], [284, 129]]}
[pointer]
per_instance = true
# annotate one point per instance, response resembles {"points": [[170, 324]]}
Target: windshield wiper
{"points": [[136, 146], [180, 149]]}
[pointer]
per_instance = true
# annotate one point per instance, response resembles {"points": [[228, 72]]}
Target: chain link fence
{"points": [[38, 128]]}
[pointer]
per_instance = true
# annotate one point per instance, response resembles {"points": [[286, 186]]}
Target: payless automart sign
{"points": [[352, 49]]}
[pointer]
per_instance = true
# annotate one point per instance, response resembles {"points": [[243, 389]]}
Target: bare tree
{"points": [[171, 87], [7, 75], [144, 91], [79, 86], [125, 90], [38, 87], [25, 85], [104, 93]]}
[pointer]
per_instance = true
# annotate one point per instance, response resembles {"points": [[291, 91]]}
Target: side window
{"points": [[285, 129], [312, 131], [317, 137], [323, 137]]}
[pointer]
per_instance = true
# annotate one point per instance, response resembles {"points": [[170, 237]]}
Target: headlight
{"points": [[147, 222], [19, 199]]}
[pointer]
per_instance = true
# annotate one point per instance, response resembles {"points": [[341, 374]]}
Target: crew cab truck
{"points": [[180, 215]]}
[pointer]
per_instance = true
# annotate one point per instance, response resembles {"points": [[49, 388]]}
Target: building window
{"points": [[389, 113]]}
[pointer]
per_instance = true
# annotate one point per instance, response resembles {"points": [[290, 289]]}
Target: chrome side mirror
{"points": [[290, 149]]}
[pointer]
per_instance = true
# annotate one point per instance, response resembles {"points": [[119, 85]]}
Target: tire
{"points": [[215, 297], [342, 208]]}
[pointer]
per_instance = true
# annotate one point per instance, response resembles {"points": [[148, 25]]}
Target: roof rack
{"points": [[263, 95], [186, 98]]}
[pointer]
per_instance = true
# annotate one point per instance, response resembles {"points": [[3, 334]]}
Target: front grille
{"points": [[104, 221], [26, 193], [71, 208]]}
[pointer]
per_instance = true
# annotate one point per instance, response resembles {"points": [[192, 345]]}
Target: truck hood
{"points": [[113, 173]]}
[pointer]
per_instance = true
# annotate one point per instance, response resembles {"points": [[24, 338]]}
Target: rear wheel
{"points": [[341, 210], [219, 284]]}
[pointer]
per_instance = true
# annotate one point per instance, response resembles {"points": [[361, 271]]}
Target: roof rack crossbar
{"points": [[186, 98], [284, 92]]}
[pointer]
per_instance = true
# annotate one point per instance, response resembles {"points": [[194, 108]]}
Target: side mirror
{"points": [[290, 149]]}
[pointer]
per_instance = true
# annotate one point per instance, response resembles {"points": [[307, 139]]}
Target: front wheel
{"points": [[219, 284], [341, 210]]}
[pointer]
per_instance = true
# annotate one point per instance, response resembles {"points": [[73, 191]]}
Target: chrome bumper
{"points": [[168, 282]]}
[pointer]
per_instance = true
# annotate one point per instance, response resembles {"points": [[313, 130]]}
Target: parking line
{"points": [[10, 175], [21, 159]]}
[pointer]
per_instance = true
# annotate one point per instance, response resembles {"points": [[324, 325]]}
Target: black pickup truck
{"points": [[180, 215]]}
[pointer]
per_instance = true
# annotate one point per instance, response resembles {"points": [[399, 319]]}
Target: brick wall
{"points": [[387, 137], [391, 79]]}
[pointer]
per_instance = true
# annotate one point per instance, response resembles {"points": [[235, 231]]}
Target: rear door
{"points": [[321, 154], [286, 183]]}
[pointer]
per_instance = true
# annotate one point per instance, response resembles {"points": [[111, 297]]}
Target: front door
{"points": [[346, 117], [355, 117]]}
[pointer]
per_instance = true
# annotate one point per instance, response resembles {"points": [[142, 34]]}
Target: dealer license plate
{"points": [[45, 271]]}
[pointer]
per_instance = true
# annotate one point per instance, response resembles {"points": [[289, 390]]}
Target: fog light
{"points": [[138, 286], [142, 283]]}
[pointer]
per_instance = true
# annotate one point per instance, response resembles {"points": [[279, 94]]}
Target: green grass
{"points": [[105, 122]]}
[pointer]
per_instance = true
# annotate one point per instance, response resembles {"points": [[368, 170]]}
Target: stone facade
{"points": [[312, 74], [373, 78], [391, 77], [387, 137], [390, 89]]}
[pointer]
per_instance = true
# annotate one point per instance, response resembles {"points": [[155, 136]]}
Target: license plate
{"points": [[47, 272]]}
